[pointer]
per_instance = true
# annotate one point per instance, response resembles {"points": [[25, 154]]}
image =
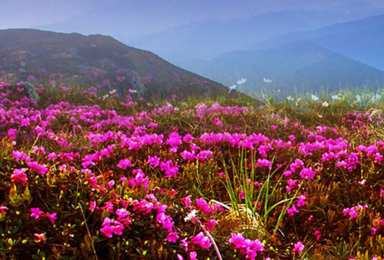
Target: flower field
{"points": [[91, 176]]}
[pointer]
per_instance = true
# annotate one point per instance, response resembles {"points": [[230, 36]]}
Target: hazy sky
{"points": [[181, 29], [29, 13]]}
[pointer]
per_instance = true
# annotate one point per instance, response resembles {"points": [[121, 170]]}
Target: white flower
{"points": [[289, 98], [191, 215], [105, 96], [358, 98], [232, 88], [362, 182], [113, 91], [267, 80], [375, 98], [325, 104], [335, 97], [297, 102], [242, 81], [314, 98]]}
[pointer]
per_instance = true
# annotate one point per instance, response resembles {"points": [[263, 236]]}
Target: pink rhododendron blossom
{"points": [[110, 227], [264, 163], [248, 247], [307, 174], [172, 237], [19, 176], [36, 213], [299, 247], [124, 164], [201, 240], [3, 209]]}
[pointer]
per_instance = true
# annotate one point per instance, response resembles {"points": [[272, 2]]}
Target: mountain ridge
{"points": [[301, 65], [360, 40], [27, 51]]}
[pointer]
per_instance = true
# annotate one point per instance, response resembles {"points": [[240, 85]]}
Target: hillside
{"points": [[94, 59], [301, 65], [361, 40]]}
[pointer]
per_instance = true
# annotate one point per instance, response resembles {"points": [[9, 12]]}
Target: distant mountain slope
{"points": [[209, 39], [24, 52], [362, 40], [300, 65]]}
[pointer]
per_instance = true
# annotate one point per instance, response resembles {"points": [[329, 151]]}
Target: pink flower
{"points": [[203, 206], [353, 212], [92, 206], [204, 155], [217, 122], [170, 168], [153, 161], [301, 201], [12, 133], [52, 156], [299, 247], [3, 209], [193, 255], [20, 155], [52, 217], [166, 221], [184, 243], [188, 155], [291, 211], [264, 163], [187, 201], [19, 176], [291, 184], [36, 212], [201, 240], [174, 140], [188, 138], [153, 125], [210, 225], [124, 216], [172, 237], [307, 173], [111, 184], [124, 164], [40, 237], [246, 246], [317, 234], [111, 227]]}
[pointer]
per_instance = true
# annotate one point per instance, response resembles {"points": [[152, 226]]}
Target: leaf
{"points": [[27, 195], [14, 198]]}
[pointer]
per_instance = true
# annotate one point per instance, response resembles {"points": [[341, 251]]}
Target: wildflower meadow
{"points": [[91, 175]]}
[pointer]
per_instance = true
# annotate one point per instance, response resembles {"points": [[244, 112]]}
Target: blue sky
{"points": [[29, 13]]}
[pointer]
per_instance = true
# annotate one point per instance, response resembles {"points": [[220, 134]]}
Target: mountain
{"points": [[90, 58], [180, 30], [361, 40], [209, 39], [300, 66]]}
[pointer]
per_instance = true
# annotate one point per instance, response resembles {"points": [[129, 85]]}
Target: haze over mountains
{"points": [[183, 30], [301, 44], [296, 66], [337, 56], [362, 40]]}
